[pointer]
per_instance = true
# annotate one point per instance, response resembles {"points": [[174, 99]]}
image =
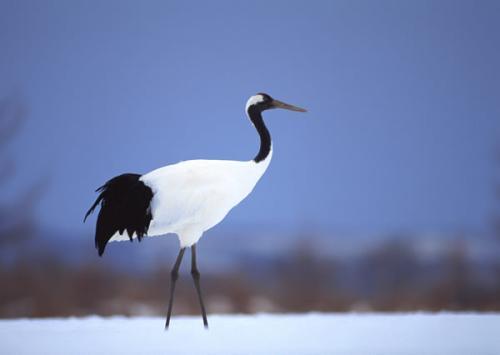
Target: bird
{"points": [[187, 198]]}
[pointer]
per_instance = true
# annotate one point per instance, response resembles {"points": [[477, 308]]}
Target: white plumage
{"points": [[192, 196]]}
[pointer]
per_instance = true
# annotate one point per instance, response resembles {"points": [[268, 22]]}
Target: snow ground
{"points": [[315, 333]]}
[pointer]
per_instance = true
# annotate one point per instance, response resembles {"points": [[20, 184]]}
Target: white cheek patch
{"points": [[254, 100]]}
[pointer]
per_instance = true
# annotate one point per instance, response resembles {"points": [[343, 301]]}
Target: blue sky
{"points": [[402, 132]]}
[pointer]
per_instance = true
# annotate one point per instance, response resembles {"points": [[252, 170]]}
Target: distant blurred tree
{"points": [[391, 272], [16, 212], [496, 221]]}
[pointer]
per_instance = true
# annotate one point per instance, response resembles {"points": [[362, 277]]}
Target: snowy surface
{"points": [[442, 333]]}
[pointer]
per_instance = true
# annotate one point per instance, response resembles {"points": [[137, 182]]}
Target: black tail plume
{"points": [[125, 207]]}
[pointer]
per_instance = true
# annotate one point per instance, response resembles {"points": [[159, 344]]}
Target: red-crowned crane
{"points": [[187, 198]]}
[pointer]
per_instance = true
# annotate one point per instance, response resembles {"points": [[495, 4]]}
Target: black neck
{"points": [[265, 138]]}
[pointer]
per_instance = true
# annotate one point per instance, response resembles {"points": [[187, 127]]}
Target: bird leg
{"points": [[174, 275], [196, 278]]}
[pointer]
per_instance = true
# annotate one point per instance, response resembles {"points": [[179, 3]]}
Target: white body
{"points": [[192, 196]]}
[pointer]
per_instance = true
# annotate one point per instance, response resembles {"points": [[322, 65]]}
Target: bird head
{"points": [[262, 102]]}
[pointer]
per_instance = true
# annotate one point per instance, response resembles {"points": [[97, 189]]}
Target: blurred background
{"points": [[384, 197]]}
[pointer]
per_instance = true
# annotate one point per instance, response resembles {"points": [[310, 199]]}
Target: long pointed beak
{"points": [[279, 104]]}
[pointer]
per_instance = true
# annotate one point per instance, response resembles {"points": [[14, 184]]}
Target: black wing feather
{"points": [[125, 206]]}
